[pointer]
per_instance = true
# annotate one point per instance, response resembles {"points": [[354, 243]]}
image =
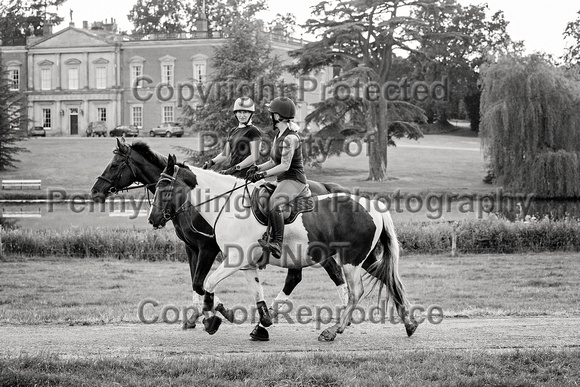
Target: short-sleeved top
{"points": [[239, 139], [296, 170]]}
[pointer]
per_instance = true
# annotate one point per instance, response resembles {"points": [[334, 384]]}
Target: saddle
{"points": [[304, 202]]}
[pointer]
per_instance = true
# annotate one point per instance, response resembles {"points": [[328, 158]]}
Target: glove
{"points": [[256, 176], [253, 169], [229, 171], [209, 163]]}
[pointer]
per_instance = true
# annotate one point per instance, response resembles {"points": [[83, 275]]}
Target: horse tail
{"points": [[386, 267]]}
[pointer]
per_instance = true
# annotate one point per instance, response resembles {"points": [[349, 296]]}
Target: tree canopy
{"points": [[12, 122], [20, 19], [531, 126], [362, 36], [168, 16]]}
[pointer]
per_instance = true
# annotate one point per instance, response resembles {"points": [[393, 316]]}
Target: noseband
{"points": [[167, 213]]}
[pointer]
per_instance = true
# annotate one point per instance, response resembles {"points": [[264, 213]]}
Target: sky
{"points": [[539, 23]]}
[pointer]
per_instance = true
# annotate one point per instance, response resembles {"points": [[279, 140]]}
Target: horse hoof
{"points": [[227, 313], [411, 328], [188, 324], [212, 324], [327, 335], [259, 334]]}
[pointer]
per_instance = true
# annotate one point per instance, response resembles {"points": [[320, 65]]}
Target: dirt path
{"points": [[146, 341]]}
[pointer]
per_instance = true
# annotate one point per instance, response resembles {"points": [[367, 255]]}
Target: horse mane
{"points": [[144, 150]]}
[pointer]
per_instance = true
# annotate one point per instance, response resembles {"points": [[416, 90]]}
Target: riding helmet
{"points": [[283, 106], [244, 103]]}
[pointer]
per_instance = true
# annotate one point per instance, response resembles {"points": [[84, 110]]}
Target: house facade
{"points": [[78, 75]]}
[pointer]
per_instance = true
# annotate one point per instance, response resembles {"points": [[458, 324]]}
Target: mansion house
{"points": [[79, 75]]}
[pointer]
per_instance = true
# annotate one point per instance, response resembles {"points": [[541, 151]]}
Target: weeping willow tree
{"points": [[530, 127]]}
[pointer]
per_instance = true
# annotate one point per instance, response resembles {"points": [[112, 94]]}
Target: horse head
{"points": [[128, 166], [171, 192]]}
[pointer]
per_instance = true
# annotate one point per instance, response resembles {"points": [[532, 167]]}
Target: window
{"points": [[136, 71], [45, 78], [167, 74], [167, 69], [199, 62], [73, 78], [137, 116], [14, 79], [101, 77], [101, 114], [168, 114], [199, 72], [46, 118]]}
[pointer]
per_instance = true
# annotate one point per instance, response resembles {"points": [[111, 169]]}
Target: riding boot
{"points": [[274, 245]]}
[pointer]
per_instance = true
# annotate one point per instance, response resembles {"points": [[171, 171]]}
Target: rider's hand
{"points": [[253, 169], [256, 176], [229, 171], [209, 163]]}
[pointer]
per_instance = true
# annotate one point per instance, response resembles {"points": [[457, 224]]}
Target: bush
{"points": [[473, 236], [491, 236]]}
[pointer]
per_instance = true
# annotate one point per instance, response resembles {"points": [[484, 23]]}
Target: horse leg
{"points": [[293, 278], [356, 290], [228, 267], [258, 292], [189, 323], [259, 333], [335, 273]]}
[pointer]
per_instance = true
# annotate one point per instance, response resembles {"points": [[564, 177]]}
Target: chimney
{"points": [[47, 29], [85, 25]]}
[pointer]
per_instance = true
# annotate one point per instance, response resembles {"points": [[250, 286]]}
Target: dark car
{"points": [[37, 131], [167, 129], [125, 131], [97, 128]]}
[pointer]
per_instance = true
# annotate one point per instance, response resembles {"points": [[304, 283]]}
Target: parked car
{"points": [[167, 129], [125, 131], [97, 128], [37, 131]]}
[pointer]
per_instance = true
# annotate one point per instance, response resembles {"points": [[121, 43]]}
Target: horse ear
{"points": [[121, 143], [170, 162]]}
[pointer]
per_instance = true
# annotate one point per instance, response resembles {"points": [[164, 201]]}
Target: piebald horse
{"points": [[341, 227], [137, 163]]}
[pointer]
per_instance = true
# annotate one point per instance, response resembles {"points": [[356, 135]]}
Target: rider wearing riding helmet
{"points": [[287, 165], [242, 147]]}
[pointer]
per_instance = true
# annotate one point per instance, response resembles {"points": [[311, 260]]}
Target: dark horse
{"points": [[347, 229], [136, 162]]}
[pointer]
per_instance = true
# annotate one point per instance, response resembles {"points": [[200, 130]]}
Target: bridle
{"points": [[169, 215], [127, 162]]}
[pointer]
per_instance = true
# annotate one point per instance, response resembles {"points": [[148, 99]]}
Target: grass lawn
{"points": [[90, 291], [97, 291], [445, 162]]}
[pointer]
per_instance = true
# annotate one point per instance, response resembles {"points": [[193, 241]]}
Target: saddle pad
{"points": [[262, 194]]}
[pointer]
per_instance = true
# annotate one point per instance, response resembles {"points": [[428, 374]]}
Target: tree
{"points": [[530, 126], [168, 16], [362, 37], [12, 122], [572, 33], [454, 44], [244, 65], [20, 19], [160, 16]]}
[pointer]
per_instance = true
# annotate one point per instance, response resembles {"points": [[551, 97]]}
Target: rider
{"points": [[242, 147], [287, 165]]}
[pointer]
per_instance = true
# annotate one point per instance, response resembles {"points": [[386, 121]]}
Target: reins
{"points": [[187, 204]]}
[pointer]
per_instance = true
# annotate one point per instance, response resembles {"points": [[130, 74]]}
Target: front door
{"points": [[74, 120]]}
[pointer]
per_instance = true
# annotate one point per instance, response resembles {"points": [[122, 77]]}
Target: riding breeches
{"points": [[286, 191]]}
